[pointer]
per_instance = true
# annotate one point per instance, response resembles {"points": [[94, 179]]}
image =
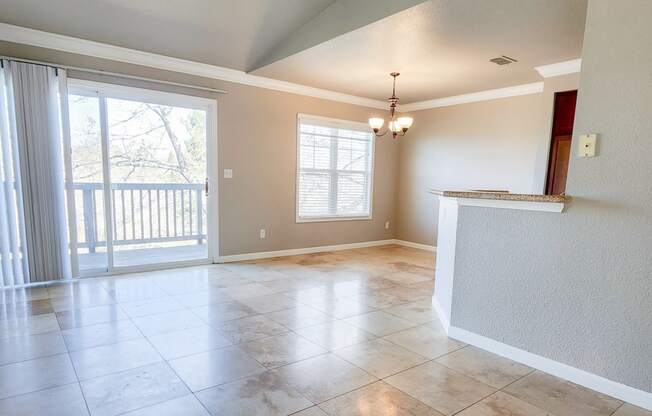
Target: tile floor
{"points": [[342, 333]]}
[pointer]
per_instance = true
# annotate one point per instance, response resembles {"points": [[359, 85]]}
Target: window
{"points": [[335, 169]]}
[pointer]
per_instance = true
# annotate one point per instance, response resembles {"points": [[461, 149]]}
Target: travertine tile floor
{"points": [[342, 333]]}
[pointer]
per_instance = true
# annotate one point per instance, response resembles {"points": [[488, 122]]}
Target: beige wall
{"points": [[497, 144], [257, 139], [493, 144]]}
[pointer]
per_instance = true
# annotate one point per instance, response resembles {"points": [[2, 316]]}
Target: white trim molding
{"points": [[592, 381], [318, 249], [420, 246], [18, 34], [524, 89], [38, 38], [297, 251], [443, 319], [560, 68], [502, 204]]}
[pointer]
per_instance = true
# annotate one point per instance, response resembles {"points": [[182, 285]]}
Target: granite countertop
{"points": [[501, 196]]}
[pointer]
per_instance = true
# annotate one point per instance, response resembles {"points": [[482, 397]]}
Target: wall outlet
{"points": [[228, 173], [263, 233], [387, 225]]}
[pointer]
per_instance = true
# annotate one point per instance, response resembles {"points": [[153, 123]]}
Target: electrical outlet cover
{"points": [[587, 144]]}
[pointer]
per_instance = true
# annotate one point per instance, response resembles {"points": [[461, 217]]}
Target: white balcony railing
{"points": [[142, 213]]}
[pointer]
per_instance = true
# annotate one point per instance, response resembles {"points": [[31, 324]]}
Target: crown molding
{"points": [[38, 38], [524, 89], [560, 68], [18, 34]]}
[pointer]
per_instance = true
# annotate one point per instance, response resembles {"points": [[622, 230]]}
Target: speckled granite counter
{"points": [[501, 196], [505, 200]]}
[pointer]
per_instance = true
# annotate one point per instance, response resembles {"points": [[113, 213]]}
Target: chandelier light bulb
{"points": [[405, 122], [376, 123], [394, 126]]}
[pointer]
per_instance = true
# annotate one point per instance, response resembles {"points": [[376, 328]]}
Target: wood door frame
{"points": [[552, 165], [554, 137]]}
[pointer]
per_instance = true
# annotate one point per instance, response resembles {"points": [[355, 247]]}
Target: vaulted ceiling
{"points": [[442, 47]]}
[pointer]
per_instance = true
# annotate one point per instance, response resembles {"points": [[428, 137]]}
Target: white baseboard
{"points": [[445, 323], [415, 245], [297, 251], [319, 249], [620, 391]]}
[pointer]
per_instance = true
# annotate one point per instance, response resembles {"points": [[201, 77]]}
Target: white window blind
{"points": [[335, 169]]}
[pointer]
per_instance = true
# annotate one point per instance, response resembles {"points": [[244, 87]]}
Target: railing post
{"points": [[137, 207], [200, 225], [89, 218]]}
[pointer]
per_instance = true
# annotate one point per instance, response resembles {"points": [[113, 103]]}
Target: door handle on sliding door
{"points": [[206, 186]]}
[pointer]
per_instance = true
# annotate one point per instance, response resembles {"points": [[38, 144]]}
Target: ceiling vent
{"points": [[503, 60]]}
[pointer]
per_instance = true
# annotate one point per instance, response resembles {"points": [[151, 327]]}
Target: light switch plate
{"points": [[228, 173], [587, 144]]}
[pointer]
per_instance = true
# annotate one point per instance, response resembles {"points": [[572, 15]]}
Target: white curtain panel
{"points": [[13, 256], [38, 137]]}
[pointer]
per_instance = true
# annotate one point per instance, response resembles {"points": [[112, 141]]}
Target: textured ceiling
{"points": [[441, 47], [229, 33]]}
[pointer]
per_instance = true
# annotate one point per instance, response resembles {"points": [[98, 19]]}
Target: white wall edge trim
{"points": [[443, 319], [415, 245], [620, 391], [560, 68], [521, 205], [318, 249], [18, 34], [524, 89]]}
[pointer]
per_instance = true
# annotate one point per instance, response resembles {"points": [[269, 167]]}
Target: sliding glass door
{"points": [[87, 185], [140, 170]]}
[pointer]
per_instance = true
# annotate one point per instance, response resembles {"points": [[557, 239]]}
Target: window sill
{"points": [[333, 219]]}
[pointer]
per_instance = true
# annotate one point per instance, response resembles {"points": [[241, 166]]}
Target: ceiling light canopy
{"points": [[398, 126]]}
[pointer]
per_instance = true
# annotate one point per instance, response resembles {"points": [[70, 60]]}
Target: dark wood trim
{"points": [[562, 130]]}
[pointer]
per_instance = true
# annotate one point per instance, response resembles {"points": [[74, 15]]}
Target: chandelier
{"points": [[398, 126]]}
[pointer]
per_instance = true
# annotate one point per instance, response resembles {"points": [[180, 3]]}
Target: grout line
{"points": [[294, 331], [163, 361], [231, 345], [618, 408], [500, 390], [76, 375], [41, 390]]}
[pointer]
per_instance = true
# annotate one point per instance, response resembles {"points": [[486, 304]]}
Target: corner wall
{"points": [[576, 287], [497, 144]]}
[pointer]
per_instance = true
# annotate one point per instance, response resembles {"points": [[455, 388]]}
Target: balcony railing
{"points": [[142, 213]]}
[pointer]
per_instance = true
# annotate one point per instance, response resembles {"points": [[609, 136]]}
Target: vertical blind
{"points": [[335, 169], [33, 235], [13, 253]]}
